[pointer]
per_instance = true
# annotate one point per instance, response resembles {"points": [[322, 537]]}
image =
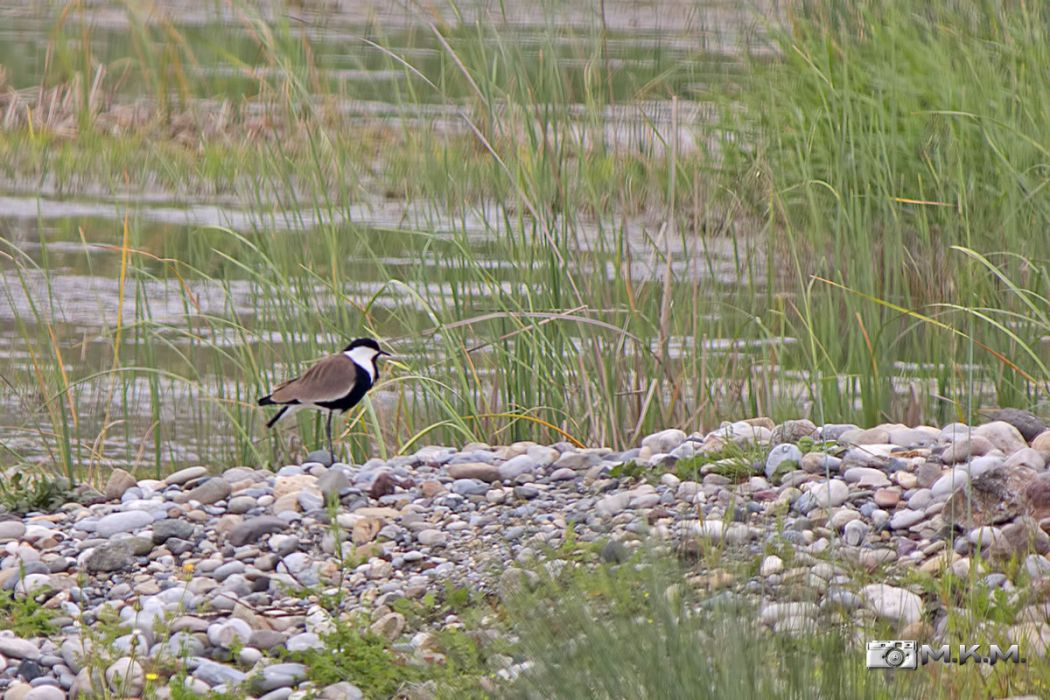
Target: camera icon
{"points": [[892, 654]]}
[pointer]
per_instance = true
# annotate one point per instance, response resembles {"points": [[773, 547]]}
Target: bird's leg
{"points": [[331, 452]]}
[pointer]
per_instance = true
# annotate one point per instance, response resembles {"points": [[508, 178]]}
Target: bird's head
{"points": [[364, 351]]}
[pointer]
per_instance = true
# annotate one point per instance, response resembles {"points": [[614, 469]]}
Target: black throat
{"points": [[363, 383]]}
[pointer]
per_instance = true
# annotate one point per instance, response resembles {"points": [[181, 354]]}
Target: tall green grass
{"points": [[885, 137]]}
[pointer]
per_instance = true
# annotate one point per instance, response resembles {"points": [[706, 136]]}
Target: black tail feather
{"points": [[266, 401], [277, 417]]}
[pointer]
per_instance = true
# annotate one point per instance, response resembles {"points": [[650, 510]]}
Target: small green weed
{"points": [[23, 492], [431, 608], [733, 461], [25, 617]]}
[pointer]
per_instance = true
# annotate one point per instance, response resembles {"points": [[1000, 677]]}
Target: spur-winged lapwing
{"points": [[336, 383]]}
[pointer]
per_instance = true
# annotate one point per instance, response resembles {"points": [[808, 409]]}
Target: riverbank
{"points": [[243, 581]]}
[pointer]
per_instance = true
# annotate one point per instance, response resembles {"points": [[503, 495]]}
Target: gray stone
{"points": [[793, 430], [163, 530], [841, 598], [280, 676], [985, 464], [613, 504], [684, 451], [389, 626], [183, 644], [1019, 538], [228, 569], [563, 474], [868, 436], [513, 468], [211, 491], [126, 676], [955, 431], [985, 536], [251, 530], [920, 499], [830, 494], [771, 565], [994, 497], [744, 433], [474, 470], [214, 673], [904, 519], [44, 692], [863, 457], [304, 642], [614, 552], [119, 481], [139, 546], [1037, 566], [957, 478], [927, 474], [664, 441], [1002, 435], [865, 477], [773, 612], [342, 691], [114, 556], [432, 538], [297, 562], [965, 448], [733, 533], [74, 651], [277, 694], [469, 487], [185, 475], [577, 460], [267, 639], [32, 584], [820, 463], [229, 632], [782, 455], [310, 500], [892, 603], [322, 457], [16, 648], [834, 431], [1026, 457], [13, 577], [855, 532], [912, 438], [11, 530], [179, 546], [333, 483], [125, 521], [239, 505], [89, 683], [1027, 424]]}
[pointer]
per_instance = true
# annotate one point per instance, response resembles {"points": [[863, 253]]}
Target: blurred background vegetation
{"points": [[573, 221]]}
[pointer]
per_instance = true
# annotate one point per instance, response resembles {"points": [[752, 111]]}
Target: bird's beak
{"points": [[384, 352]]}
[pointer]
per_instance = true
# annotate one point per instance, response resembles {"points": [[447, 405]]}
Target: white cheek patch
{"points": [[364, 357]]}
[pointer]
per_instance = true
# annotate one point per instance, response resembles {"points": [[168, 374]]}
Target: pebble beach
{"points": [[222, 568]]}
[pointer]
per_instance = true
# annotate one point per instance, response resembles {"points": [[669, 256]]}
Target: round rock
{"points": [[122, 522], [892, 603], [830, 494], [251, 530], [783, 455]]}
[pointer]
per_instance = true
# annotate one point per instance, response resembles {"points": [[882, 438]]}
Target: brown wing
{"points": [[330, 379]]}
